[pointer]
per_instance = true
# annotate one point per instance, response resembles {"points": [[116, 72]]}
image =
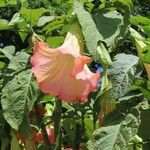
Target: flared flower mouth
{"points": [[62, 71]]}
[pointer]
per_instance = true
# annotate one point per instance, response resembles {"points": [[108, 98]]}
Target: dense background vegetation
{"points": [[117, 37]]}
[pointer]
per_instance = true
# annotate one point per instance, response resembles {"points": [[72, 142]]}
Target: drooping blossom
{"points": [[62, 71]]}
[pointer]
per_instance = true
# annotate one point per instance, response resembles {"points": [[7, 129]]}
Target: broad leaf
{"points": [[89, 29], [44, 19], [4, 24], [8, 51], [122, 74], [32, 15], [19, 61], [15, 19], [18, 95], [115, 137], [55, 41], [109, 25]]}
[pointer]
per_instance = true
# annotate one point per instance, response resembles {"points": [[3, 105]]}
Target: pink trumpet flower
{"points": [[62, 71]]}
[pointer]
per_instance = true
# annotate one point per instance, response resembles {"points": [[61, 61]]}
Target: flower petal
{"points": [[61, 74], [63, 71]]}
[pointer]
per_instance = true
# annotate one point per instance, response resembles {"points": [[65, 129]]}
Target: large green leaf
{"points": [[122, 74], [18, 95], [115, 137], [109, 25], [55, 41], [89, 29], [32, 15], [8, 51], [19, 61], [15, 19], [45, 19]]}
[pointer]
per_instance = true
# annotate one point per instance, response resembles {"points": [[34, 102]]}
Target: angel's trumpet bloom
{"points": [[62, 71]]}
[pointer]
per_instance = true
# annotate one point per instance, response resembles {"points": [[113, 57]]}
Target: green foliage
{"points": [[8, 51], [146, 58], [142, 85], [14, 143], [109, 25], [122, 74], [117, 30], [32, 15], [19, 61], [4, 3], [89, 29], [18, 95], [115, 136]]}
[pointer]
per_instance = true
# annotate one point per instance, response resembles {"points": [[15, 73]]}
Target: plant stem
{"points": [[79, 132], [57, 123], [41, 124]]}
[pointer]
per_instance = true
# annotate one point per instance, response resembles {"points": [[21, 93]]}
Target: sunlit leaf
{"points": [[32, 15], [4, 24], [18, 95], [8, 51], [55, 41], [19, 61], [115, 136], [44, 19], [122, 74]]}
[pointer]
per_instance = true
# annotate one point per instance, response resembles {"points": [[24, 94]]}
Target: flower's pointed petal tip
{"points": [[94, 80], [79, 64], [86, 59]]}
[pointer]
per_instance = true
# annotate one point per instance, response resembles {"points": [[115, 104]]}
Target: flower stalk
{"points": [[57, 123]]}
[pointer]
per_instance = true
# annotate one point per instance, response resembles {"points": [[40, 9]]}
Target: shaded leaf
{"points": [[109, 25]]}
